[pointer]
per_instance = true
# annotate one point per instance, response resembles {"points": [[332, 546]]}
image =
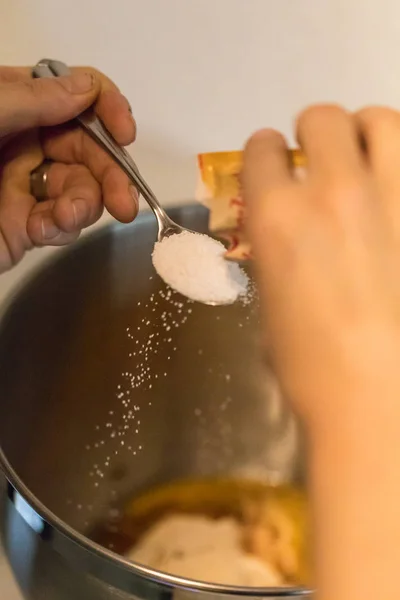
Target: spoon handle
{"points": [[95, 128]]}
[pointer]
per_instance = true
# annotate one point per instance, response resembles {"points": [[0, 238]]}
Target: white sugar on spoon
{"points": [[193, 264]]}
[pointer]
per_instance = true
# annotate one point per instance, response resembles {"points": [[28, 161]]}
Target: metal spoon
{"points": [[95, 128], [47, 68]]}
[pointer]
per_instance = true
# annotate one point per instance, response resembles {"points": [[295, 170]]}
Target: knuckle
{"points": [[265, 139], [9, 74], [63, 96], [39, 88], [33, 86], [42, 90], [341, 198], [374, 119], [13, 242], [316, 113], [259, 138]]}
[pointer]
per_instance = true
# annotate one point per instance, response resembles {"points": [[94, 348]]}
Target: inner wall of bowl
{"points": [[96, 410]]}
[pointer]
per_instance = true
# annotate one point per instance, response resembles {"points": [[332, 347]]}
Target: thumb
{"points": [[41, 102]]}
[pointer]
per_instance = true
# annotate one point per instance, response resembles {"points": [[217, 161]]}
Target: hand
{"points": [[34, 117], [328, 257]]}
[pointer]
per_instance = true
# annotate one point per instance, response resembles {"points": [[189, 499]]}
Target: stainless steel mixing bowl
{"points": [[70, 452]]}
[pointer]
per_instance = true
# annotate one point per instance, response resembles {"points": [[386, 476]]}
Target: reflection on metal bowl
{"points": [[70, 347]]}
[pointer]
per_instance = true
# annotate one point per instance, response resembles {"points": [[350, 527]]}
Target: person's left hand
{"points": [[34, 125]]}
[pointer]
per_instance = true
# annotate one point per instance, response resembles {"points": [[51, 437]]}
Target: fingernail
{"points": [[78, 83], [49, 230], [80, 212], [134, 193]]}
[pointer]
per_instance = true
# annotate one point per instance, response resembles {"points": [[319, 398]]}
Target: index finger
{"points": [[111, 106], [70, 145], [266, 164]]}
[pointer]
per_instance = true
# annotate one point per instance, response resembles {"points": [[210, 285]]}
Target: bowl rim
{"points": [[50, 518]]}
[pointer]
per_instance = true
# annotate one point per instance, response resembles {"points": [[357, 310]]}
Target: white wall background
{"points": [[203, 74]]}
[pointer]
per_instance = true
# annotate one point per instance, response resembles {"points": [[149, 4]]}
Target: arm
{"points": [[327, 252], [355, 494]]}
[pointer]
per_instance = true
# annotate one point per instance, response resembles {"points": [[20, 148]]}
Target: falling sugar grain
{"points": [[151, 332]]}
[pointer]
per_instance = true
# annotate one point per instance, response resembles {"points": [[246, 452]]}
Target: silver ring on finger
{"points": [[39, 181]]}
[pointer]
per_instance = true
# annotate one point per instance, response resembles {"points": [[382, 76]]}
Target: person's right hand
{"points": [[327, 251]]}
